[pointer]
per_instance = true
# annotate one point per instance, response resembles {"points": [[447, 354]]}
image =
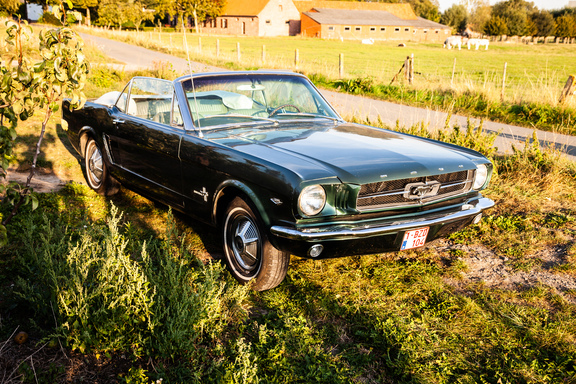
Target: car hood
{"points": [[352, 152]]}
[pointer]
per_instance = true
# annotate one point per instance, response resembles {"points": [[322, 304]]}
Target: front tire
{"points": [[249, 255], [97, 174]]}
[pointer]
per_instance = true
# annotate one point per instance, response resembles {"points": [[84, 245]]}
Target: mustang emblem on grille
{"points": [[418, 191]]}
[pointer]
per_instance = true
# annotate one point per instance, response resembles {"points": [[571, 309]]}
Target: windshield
{"points": [[244, 98]]}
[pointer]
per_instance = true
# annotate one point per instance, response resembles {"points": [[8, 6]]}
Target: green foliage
{"points": [[515, 14], [425, 8], [456, 16], [27, 87], [543, 22], [495, 26], [195, 305], [107, 290], [9, 7], [360, 85], [135, 376], [103, 299], [535, 161], [565, 26]]}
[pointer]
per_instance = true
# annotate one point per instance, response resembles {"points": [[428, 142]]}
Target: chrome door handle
{"points": [[118, 121]]}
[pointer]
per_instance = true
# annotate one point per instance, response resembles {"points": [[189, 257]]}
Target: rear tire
{"points": [[249, 255], [97, 174]]}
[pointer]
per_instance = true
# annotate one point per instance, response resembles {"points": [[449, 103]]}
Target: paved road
{"points": [[136, 57]]}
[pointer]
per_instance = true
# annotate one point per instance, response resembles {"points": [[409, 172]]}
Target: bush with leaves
{"points": [[27, 87]]}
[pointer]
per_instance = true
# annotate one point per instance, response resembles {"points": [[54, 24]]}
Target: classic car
{"points": [[262, 156]]}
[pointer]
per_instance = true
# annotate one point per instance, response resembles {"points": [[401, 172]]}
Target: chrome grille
{"points": [[388, 194]]}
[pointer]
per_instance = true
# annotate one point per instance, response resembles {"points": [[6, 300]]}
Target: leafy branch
{"points": [[27, 87]]}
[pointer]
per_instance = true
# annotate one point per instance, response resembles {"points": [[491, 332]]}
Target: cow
{"points": [[478, 43], [453, 41]]}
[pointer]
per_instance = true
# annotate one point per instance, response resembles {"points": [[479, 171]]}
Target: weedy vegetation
{"points": [[123, 290]]}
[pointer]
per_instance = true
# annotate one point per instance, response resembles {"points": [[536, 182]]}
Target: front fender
{"points": [[246, 190]]}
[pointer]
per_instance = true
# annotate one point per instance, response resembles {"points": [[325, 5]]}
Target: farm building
{"points": [[325, 19], [359, 21], [256, 18]]}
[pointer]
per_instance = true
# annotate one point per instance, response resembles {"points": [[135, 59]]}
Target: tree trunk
{"points": [[196, 21]]}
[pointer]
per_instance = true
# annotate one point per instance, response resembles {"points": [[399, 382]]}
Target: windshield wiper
{"points": [[305, 114], [235, 124], [248, 117]]}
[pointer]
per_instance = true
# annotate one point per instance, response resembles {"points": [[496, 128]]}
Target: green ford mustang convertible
{"points": [[263, 157]]}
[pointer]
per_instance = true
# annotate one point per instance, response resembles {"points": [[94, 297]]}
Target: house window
{"points": [[358, 28], [425, 31], [224, 23], [346, 28], [331, 28], [406, 29], [372, 29], [382, 29], [414, 31], [267, 21], [396, 29]]}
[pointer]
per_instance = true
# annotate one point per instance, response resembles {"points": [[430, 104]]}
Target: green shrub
{"points": [[108, 292], [361, 85]]}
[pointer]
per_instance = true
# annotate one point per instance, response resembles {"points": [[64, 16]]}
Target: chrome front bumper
{"points": [[361, 231]]}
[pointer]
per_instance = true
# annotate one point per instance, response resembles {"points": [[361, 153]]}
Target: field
{"points": [[466, 81], [123, 290]]}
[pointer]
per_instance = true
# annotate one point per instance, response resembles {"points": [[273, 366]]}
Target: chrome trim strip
{"points": [[359, 231]]}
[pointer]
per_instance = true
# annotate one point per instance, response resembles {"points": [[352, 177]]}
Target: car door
{"points": [[146, 143]]}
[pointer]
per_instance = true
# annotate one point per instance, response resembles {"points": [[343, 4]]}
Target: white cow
{"points": [[453, 41], [478, 43]]}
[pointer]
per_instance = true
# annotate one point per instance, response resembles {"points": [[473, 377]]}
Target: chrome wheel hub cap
{"points": [[246, 244], [95, 166]]}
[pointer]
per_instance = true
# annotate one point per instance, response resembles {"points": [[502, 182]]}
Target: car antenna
{"points": [[200, 134]]}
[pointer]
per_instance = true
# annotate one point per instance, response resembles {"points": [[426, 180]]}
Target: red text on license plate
{"points": [[414, 238]]}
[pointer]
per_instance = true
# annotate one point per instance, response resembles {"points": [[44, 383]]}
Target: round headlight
{"points": [[481, 176], [312, 200]]}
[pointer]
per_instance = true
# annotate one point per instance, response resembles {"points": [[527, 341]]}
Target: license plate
{"points": [[414, 238]]}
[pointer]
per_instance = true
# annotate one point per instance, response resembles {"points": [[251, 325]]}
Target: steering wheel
{"points": [[259, 112], [282, 107]]}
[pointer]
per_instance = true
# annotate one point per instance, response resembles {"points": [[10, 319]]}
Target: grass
{"points": [[406, 317], [535, 74]]}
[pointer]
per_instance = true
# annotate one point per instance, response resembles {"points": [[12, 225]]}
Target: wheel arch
{"points": [[83, 135], [228, 191]]}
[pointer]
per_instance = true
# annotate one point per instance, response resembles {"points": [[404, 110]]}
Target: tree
{"points": [[515, 14], [199, 9], [456, 17], [496, 26], [427, 9], [109, 13], [86, 5], [137, 12], [28, 87], [9, 7], [479, 15], [565, 26], [543, 22]]}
